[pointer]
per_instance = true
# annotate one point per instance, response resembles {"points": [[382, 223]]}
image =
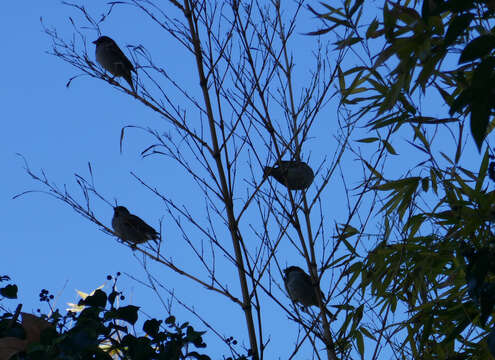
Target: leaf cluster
{"points": [[99, 330], [422, 46]]}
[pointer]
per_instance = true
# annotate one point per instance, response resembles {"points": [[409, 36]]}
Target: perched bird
{"points": [[296, 175], [131, 228], [300, 288], [112, 59]]}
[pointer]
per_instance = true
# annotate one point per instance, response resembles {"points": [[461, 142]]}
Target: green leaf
{"points": [[333, 10], [127, 313], [414, 223], [348, 231], [373, 170], [368, 140], [357, 6], [477, 48], [482, 172], [360, 342], [384, 55], [321, 31], [428, 68], [460, 5], [482, 80], [427, 326], [490, 126], [349, 246], [461, 101], [152, 327], [357, 316], [367, 333], [341, 44], [340, 261], [170, 320], [371, 32], [341, 79], [389, 147], [195, 337], [445, 95], [410, 108], [98, 299], [392, 204], [418, 133], [197, 356], [391, 96], [457, 27], [487, 301], [356, 272], [389, 21], [112, 296], [412, 332], [9, 291], [480, 113], [425, 184], [398, 184], [346, 307], [335, 20], [358, 80], [461, 326], [434, 183]]}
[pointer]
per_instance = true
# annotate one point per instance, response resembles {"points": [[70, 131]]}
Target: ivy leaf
{"points": [[197, 356], [98, 299], [127, 313], [152, 327], [9, 291]]}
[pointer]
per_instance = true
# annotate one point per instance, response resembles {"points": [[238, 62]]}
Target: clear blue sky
{"points": [[45, 244]]}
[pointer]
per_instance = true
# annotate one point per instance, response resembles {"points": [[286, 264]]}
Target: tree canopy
{"points": [[396, 226]]}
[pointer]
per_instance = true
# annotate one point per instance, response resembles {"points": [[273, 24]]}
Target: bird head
{"points": [[103, 40], [120, 211], [267, 171], [292, 269]]}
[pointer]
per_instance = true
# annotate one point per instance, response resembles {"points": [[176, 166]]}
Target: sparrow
{"points": [[112, 59], [131, 228], [296, 175], [300, 288]]}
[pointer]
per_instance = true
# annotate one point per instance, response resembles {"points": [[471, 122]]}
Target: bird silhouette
{"points": [[131, 228], [300, 288], [296, 175], [112, 59]]}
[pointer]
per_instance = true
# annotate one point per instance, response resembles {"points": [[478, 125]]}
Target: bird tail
{"points": [[330, 316], [266, 171], [128, 78], [157, 239]]}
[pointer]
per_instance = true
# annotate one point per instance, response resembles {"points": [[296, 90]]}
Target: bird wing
{"points": [[119, 54], [139, 225], [285, 164], [307, 278]]}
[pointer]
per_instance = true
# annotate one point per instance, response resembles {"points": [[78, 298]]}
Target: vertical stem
{"points": [[226, 194], [331, 355]]}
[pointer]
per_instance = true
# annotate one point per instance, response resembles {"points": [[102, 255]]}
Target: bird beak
{"points": [[94, 42]]}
